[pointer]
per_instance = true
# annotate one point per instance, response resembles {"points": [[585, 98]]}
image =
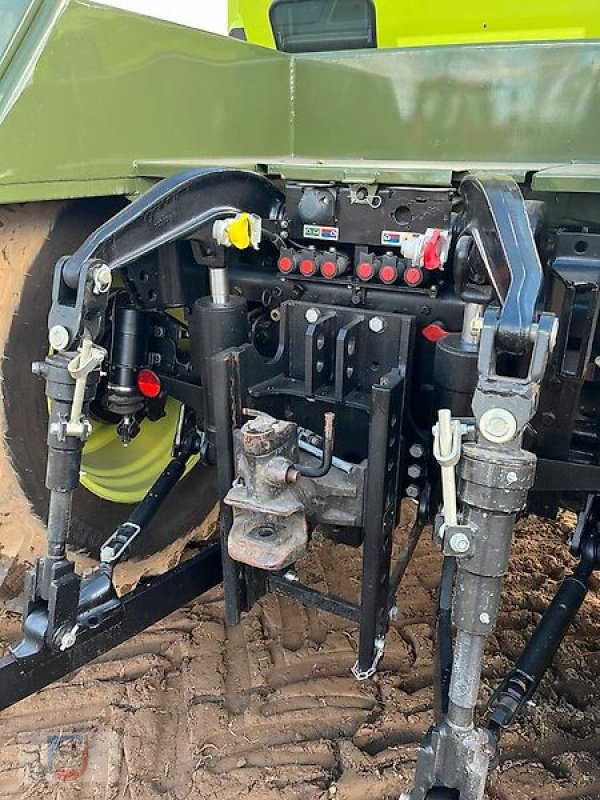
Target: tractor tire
{"points": [[32, 237]]}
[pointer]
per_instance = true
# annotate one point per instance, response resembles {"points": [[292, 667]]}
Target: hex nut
{"points": [[416, 450], [459, 542], [377, 325], [68, 638], [484, 618], [102, 279], [312, 315]]}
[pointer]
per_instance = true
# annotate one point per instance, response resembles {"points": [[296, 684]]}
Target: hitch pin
{"points": [[79, 368], [447, 439]]}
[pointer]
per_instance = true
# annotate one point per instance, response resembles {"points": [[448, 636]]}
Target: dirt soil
{"points": [[269, 709]]}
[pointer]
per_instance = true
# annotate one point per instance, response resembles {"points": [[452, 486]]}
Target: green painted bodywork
{"points": [[93, 90], [97, 101]]}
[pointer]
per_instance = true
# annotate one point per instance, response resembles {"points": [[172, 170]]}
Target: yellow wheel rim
{"points": [[124, 474]]}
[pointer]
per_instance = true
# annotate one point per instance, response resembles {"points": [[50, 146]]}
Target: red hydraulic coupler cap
{"points": [[388, 273], [148, 383], [285, 264], [365, 271], [329, 268], [434, 332], [413, 276], [308, 267], [431, 255]]}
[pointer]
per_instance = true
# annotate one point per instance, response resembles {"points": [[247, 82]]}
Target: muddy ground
{"points": [[269, 709]]}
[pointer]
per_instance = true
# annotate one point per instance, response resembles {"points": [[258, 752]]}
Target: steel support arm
{"points": [[497, 220], [174, 209]]}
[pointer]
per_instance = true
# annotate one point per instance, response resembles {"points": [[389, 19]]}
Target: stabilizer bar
{"points": [[511, 698]]}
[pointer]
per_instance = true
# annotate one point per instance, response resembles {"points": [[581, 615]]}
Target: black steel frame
{"points": [[231, 392]]}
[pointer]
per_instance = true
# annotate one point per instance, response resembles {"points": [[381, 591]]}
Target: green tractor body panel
{"points": [[91, 91], [98, 101]]}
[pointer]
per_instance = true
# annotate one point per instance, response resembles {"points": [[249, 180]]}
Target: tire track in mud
{"points": [[268, 709]]}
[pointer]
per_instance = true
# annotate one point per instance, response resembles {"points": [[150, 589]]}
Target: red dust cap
{"points": [[307, 266], [413, 276], [365, 271], [388, 273], [328, 269], [285, 264], [148, 383], [434, 332]]}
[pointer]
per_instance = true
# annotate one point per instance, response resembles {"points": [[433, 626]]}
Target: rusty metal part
{"points": [[269, 528], [277, 493]]}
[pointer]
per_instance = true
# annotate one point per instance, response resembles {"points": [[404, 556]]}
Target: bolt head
{"points": [[68, 638], [312, 315], [416, 450], [376, 324], [484, 618], [102, 279], [498, 425], [58, 337], [459, 543]]}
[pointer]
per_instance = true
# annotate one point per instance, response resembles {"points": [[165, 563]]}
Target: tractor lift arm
{"points": [[174, 209]]}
